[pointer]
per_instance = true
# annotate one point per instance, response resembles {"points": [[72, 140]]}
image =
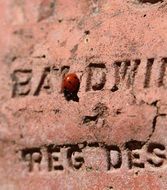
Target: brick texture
{"points": [[114, 136]]}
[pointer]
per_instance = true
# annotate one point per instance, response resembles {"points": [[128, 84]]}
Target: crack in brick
{"points": [[154, 121]]}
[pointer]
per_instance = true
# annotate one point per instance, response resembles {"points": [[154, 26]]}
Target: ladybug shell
{"points": [[71, 83]]}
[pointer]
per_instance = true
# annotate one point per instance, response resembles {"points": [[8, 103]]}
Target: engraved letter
{"points": [[148, 72], [55, 159], [125, 71], [21, 82], [45, 83], [96, 77], [162, 76], [75, 157], [77, 160], [33, 158], [134, 154], [157, 154], [114, 157]]}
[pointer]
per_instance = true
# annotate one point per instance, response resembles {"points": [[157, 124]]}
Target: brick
{"points": [[114, 136]]}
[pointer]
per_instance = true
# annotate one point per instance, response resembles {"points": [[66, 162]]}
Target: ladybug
{"points": [[70, 86]]}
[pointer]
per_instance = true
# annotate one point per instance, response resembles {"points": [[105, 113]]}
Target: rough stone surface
{"points": [[114, 137]]}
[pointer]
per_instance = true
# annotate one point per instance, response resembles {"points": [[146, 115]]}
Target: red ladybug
{"points": [[70, 86]]}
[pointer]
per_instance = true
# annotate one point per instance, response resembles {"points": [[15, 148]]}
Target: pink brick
{"points": [[114, 137]]}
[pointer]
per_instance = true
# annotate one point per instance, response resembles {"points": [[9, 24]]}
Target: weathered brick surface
{"points": [[115, 136]]}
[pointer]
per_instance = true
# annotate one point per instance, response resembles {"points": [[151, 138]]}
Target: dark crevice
{"points": [[151, 1], [87, 32], [114, 88], [154, 122], [100, 110], [87, 119]]}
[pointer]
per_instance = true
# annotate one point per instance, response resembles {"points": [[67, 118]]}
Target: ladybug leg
{"points": [[67, 94], [71, 96], [75, 97]]}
